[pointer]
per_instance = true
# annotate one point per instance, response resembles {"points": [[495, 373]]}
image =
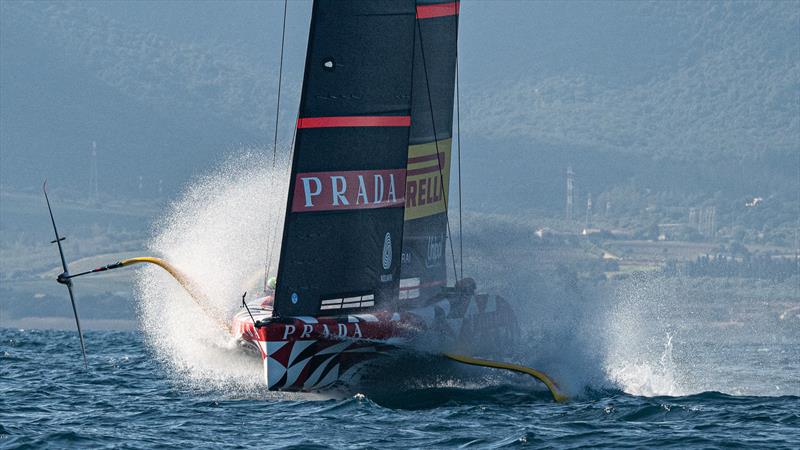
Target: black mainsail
{"points": [[343, 230], [424, 269]]}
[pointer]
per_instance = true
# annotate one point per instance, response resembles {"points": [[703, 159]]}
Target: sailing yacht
{"points": [[363, 260], [363, 270]]}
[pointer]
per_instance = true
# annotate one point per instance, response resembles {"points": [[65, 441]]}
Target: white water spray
{"points": [[643, 377], [586, 335], [639, 338], [218, 233], [682, 336]]}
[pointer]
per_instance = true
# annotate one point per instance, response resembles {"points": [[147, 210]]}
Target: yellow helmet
{"points": [[272, 282]]}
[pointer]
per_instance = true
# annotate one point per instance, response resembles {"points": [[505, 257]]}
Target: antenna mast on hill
{"points": [[93, 184], [589, 210], [570, 192]]}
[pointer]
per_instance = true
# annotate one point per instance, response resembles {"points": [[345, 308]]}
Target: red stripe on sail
{"points": [[354, 121], [421, 159], [430, 169], [440, 10]]}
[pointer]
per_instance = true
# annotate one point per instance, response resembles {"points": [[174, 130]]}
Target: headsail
{"points": [[424, 268], [344, 220]]}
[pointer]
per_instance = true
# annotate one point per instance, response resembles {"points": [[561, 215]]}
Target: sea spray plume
{"points": [[560, 331], [640, 337], [679, 336], [564, 338], [216, 233], [587, 335]]}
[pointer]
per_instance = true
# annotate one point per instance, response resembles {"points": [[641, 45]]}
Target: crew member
{"points": [[269, 294], [466, 286]]}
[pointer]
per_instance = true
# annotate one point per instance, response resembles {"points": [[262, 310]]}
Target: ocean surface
{"points": [[131, 398]]}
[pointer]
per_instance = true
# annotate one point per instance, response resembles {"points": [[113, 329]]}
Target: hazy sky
{"points": [[498, 39]]}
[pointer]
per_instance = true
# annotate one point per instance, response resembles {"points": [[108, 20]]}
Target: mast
{"points": [[343, 229]]}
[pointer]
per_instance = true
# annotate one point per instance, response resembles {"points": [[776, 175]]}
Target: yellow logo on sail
{"points": [[427, 179]]}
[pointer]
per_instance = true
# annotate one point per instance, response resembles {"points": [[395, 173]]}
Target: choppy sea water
{"points": [[127, 398]]}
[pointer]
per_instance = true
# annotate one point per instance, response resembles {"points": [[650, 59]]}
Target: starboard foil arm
{"points": [[551, 385], [194, 292]]}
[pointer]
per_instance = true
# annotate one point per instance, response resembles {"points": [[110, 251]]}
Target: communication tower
{"points": [[93, 183], [589, 210], [570, 192]]}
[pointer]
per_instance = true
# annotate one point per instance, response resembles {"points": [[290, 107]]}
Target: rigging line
{"points": [[280, 80], [436, 144], [458, 150], [275, 223], [275, 137]]}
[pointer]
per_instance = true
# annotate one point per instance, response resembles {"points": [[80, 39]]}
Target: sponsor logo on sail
{"points": [[405, 257], [433, 256], [427, 179], [424, 190], [387, 251], [360, 189]]}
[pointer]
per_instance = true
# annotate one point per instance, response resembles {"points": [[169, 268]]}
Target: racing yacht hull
{"points": [[314, 353]]}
